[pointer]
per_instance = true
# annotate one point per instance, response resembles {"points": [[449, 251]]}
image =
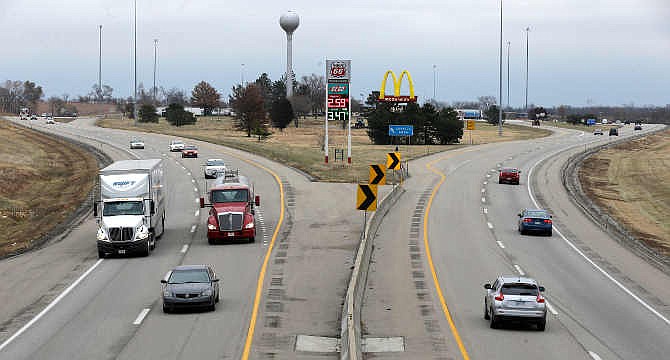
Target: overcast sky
{"points": [[607, 52]]}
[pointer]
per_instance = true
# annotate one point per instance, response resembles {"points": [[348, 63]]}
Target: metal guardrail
{"points": [[350, 332]]}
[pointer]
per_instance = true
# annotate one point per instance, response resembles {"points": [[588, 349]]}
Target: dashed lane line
{"points": [[193, 228], [489, 225], [197, 213], [551, 309], [519, 270], [502, 246], [184, 249], [141, 316]]}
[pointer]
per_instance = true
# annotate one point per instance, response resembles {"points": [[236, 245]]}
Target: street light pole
{"points": [[155, 60], [135, 64], [508, 44], [435, 82], [100, 61], [527, 34], [242, 75], [500, 81]]}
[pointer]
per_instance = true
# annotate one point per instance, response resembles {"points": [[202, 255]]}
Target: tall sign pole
{"points": [[155, 61], [135, 64], [500, 85], [338, 104], [100, 62], [527, 32]]}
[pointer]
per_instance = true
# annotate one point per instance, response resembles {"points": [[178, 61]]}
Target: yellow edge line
{"points": [[443, 302], [261, 276]]}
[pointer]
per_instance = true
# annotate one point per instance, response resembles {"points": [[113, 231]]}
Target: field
{"points": [[632, 183], [301, 147], [42, 181]]}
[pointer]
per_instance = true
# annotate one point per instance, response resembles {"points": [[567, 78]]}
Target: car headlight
{"points": [[249, 225], [142, 232], [211, 227], [101, 235], [207, 292], [167, 293]]}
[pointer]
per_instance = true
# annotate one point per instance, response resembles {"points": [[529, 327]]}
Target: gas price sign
{"points": [[338, 75]]}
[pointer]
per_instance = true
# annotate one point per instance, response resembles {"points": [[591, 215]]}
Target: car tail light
{"points": [[540, 298], [547, 221], [499, 297], [527, 220]]}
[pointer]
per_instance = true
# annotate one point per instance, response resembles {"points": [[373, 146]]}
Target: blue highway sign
{"points": [[401, 130]]}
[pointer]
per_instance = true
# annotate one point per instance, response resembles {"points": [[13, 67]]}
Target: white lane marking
{"points": [[489, 225], [486, 210], [493, 170], [193, 181], [196, 190], [193, 228], [141, 316], [582, 134], [488, 175], [483, 190], [576, 249], [502, 246], [551, 309], [486, 182], [197, 212], [594, 355], [483, 199], [188, 173], [51, 305], [197, 199], [184, 249], [519, 270]]}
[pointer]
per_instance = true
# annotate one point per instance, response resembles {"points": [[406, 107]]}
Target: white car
{"points": [[176, 145], [137, 143], [214, 167], [50, 120]]}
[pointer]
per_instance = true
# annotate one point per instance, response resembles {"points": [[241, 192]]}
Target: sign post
{"points": [[338, 100]]}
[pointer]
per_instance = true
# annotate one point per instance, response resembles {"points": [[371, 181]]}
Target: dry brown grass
{"points": [[301, 147], [42, 181], [632, 183]]}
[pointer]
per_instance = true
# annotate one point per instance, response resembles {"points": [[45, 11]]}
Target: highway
{"points": [[61, 302], [604, 301]]}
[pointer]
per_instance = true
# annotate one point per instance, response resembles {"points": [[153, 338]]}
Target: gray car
{"points": [[190, 286], [514, 298]]}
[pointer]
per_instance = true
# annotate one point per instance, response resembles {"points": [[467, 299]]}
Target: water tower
{"points": [[289, 22]]}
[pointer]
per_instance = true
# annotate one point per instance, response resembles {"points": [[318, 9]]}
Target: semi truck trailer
{"points": [[130, 210]]}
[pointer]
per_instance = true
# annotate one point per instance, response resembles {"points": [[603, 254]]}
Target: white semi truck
{"points": [[131, 209]]}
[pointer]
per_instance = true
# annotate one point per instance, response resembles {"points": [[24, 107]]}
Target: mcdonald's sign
{"points": [[396, 97]]}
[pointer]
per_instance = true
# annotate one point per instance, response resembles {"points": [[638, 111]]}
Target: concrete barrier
{"points": [[350, 332]]}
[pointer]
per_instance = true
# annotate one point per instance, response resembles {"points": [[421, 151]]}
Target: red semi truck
{"points": [[232, 202]]}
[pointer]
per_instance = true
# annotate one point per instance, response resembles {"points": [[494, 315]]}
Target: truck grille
{"points": [[230, 221], [121, 234]]}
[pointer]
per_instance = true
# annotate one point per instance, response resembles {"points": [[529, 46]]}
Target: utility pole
{"points": [[500, 81], [100, 61], [155, 60], [527, 34], [435, 82]]}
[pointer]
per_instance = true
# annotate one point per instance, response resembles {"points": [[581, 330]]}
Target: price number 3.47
{"points": [[338, 115]]}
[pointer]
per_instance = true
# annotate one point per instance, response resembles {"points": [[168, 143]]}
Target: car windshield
{"points": [[537, 214], [215, 163], [115, 208], [509, 170], [190, 147], [519, 289], [177, 142], [229, 195], [189, 276]]}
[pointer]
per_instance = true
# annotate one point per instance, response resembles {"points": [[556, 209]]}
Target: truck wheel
{"points": [[210, 241], [252, 239], [166, 309], [147, 249], [101, 254]]}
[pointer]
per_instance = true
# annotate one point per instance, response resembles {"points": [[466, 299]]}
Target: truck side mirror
{"points": [[202, 202], [487, 286], [95, 209], [541, 288], [152, 207], [257, 201]]}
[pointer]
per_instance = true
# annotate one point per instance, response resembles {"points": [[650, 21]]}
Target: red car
{"points": [[189, 151], [509, 175]]}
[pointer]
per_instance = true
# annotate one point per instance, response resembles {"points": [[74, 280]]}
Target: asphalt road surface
{"points": [[61, 302], [605, 303]]}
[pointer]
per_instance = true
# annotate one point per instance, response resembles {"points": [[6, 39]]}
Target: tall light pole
{"points": [[527, 32], [289, 23], [100, 60], [155, 61], [508, 44], [435, 82], [242, 75], [135, 65], [500, 112]]}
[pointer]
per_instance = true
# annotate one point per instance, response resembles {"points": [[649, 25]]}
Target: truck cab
{"points": [[231, 214]]}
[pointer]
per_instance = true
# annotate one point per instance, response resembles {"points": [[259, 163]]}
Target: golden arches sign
{"points": [[396, 97]]}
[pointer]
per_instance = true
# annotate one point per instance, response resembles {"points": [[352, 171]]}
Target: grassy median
{"points": [[301, 147], [42, 181], [631, 182]]}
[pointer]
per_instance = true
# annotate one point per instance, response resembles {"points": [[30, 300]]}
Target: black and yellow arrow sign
{"points": [[366, 197], [377, 174], [393, 161]]}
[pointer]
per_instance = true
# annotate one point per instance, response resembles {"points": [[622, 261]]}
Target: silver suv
{"points": [[515, 298]]}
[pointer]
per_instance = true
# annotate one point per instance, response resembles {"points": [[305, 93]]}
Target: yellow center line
{"points": [[443, 302]]}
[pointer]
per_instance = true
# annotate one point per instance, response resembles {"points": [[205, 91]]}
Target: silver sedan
{"points": [[513, 298]]}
